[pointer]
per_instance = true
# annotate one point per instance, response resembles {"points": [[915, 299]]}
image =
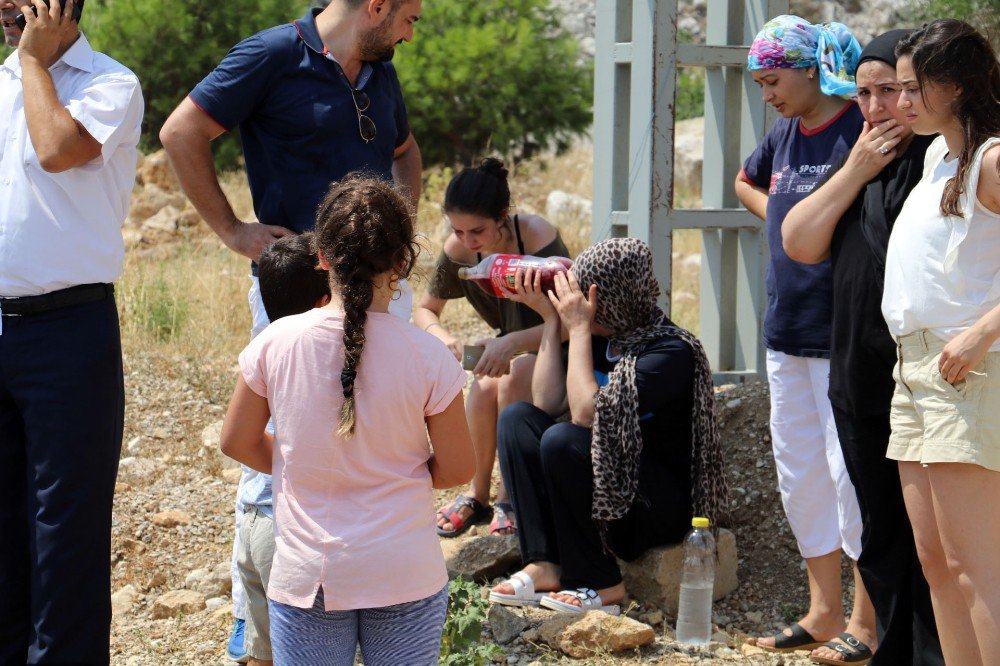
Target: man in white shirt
{"points": [[69, 126]]}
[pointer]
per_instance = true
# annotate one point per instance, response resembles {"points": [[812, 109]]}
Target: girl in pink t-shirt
{"points": [[354, 393]]}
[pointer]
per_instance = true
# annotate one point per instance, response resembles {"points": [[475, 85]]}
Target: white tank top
{"points": [[942, 273]]}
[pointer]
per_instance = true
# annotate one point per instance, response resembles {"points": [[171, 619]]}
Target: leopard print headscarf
{"points": [[622, 269]]}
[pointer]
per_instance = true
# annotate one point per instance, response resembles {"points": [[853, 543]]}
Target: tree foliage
{"points": [[984, 15], [172, 44], [498, 75]]}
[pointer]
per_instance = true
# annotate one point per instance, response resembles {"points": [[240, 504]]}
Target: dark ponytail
{"points": [[481, 190], [952, 51], [363, 229]]}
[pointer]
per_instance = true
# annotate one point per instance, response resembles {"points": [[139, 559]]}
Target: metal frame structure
{"points": [[635, 78]]}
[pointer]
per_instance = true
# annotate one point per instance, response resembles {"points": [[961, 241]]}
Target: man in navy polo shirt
{"points": [[313, 100]]}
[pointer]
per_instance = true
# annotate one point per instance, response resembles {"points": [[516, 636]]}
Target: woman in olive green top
{"points": [[477, 203]]}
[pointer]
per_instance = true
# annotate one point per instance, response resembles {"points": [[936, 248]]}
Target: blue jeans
{"points": [[408, 633]]}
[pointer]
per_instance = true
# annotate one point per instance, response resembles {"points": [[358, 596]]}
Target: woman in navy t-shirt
{"points": [[806, 72]]}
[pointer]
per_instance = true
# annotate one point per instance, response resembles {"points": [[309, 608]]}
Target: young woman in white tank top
{"points": [[942, 304]]}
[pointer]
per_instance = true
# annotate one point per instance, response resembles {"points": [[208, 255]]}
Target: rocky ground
{"points": [[173, 531]]}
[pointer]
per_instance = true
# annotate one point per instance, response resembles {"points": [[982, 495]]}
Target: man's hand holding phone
{"points": [[46, 29]]}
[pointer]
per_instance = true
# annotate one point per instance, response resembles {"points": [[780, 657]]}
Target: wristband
{"points": [[433, 323]]}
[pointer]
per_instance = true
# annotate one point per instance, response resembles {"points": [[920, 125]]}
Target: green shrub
{"points": [[463, 627], [983, 14], [497, 75], [172, 44], [690, 96]]}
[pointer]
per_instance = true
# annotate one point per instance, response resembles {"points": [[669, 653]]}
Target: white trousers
{"points": [[817, 493], [402, 307]]}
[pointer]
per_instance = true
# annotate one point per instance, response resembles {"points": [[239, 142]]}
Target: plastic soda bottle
{"points": [[500, 269], [694, 613]]}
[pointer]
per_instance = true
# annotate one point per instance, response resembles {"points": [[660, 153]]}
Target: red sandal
{"points": [[453, 514], [503, 519]]}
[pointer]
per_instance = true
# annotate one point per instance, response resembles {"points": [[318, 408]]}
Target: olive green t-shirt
{"points": [[499, 313]]}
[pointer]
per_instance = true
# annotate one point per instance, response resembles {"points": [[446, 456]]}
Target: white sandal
{"points": [[589, 600], [524, 592]]}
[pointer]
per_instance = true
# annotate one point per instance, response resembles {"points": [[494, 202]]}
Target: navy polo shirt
{"points": [[790, 162], [297, 121]]}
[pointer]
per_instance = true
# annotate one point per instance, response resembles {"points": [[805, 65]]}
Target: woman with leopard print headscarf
{"points": [[641, 454]]}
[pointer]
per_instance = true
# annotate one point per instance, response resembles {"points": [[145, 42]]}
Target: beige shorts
{"points": [[935, 422]]}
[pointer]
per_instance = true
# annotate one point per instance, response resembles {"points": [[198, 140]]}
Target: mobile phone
{"points": [[77, 12], [471, 355]]}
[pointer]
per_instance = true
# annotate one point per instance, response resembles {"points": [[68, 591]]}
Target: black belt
{"points": [[29, 305]]}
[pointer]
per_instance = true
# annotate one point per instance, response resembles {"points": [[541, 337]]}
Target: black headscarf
{"points": [[884, 196]]}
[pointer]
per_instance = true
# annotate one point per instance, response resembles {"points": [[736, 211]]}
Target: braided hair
{"points": [[364, 229]]}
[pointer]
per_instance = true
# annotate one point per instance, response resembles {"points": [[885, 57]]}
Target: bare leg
{"points": [[259, 662], [951, 613], [966, 498], [825, 618], [481, 413], [861, 625]]}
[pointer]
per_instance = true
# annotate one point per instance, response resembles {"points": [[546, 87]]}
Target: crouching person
{"points": [[617, 480]]}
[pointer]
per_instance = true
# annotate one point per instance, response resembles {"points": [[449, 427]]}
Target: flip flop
{"points": [[502, 512], [524, 592], [589, 600], [799, 640], [452, 513], [854, 651]]}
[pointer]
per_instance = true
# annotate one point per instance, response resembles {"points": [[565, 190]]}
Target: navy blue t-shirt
{"points": [[790, 162], [297, 120]]}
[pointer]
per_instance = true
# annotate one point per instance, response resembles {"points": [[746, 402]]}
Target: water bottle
{"points": [[500, 269], [694, 614]]}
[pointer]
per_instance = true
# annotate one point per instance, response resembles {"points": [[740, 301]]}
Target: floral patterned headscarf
{"points": [[790, 42]]}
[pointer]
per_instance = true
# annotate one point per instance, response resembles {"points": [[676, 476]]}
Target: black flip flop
{"points": [[854, 651], [800, 639]]}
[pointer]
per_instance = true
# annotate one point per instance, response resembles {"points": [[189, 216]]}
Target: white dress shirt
{"points": [[59, 230], [942, 274]]}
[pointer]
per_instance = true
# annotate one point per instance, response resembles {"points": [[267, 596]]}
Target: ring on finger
{"points": [[884, 149]]}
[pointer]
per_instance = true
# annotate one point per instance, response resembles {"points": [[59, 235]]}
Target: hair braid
{"points": [[364, 230]]}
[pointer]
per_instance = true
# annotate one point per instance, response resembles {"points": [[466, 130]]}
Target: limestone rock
{"points": [[655, 577], [156, 170], [481, 558], [232, 475], [151, 199], [211, 436], [164, 221], [124, 600], [595, 632], [506, 623], [689, 157], [178, 601], [171, 518], [560, 206], [215, 582]]}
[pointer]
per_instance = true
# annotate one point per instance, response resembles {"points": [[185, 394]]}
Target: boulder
{"points": [[482, 557], [655, 577], [171, 518], [215, 582], [211, 437], [594, 633], [561, 206], [151, 199], [506, 623], [156, 170], [689, 156], [164, 221], [124, 600], [178, 601]]}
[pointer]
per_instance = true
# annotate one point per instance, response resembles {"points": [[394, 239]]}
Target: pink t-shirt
{"points": [[353, 515]]}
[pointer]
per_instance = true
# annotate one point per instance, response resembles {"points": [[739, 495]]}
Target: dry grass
{"points": [[188, 299]]}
